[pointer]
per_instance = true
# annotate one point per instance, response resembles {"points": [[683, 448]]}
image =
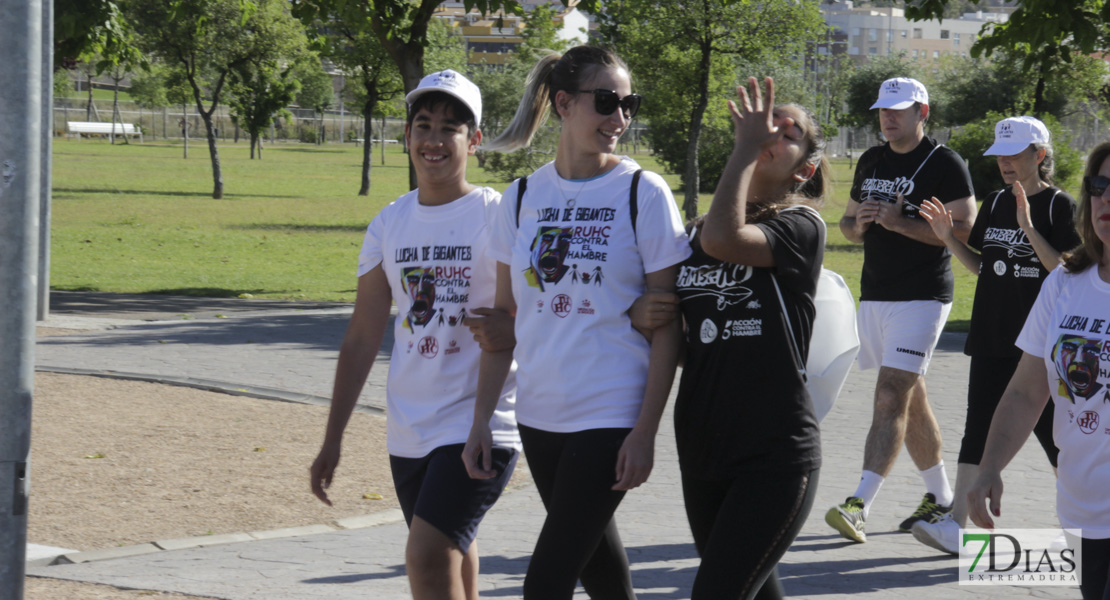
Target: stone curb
{"points": [[384, 517], [212, 385]]}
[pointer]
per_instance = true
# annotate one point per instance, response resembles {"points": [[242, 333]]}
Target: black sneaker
{"points": [[928, 511], [847, 518]]}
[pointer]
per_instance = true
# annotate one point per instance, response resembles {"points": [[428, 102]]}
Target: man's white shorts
{"points": [[901, 335]]}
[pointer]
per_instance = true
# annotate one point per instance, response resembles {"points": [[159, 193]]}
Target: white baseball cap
{"points": [[901, 92], [451, 82], [1013, 135]]}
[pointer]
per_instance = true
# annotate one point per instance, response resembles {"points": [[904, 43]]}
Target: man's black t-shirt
{"points": [[742, 404], [1010, 276], [895, 267]]}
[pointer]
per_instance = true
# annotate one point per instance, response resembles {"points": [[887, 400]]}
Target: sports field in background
{"points": [[140, 218]]}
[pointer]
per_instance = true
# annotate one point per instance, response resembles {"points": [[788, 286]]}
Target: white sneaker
{"points": [[942, 534]]}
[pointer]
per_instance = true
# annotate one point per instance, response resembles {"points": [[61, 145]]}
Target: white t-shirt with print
{"points": [[437, 263], [575, 273], [1069, 327]]}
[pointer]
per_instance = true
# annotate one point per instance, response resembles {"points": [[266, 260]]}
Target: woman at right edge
{"points": [[1062, 341]]}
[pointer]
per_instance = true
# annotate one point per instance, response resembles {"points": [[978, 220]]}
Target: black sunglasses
{"points": [[607, 101], [1095, 185]]}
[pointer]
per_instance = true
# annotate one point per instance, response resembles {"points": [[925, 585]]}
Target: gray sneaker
{"points": [[847, 518]]}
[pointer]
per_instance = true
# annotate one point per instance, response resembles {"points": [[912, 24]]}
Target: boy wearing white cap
{"points": [[906, 294], [427, 253], [1019, 236]]}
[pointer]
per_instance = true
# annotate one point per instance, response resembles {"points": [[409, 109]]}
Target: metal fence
{"points": [[168, 122]]}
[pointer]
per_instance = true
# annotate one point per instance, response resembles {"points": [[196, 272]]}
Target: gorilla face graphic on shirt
{"points": [[1077, 362], [420, 283], [549, 254]]}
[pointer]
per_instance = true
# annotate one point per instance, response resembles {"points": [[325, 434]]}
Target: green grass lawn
{"points": [[139, 218]]}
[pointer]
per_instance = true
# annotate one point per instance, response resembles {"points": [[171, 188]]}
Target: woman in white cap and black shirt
{"points": [[592, 389], [427, 253], [1019, 236]]}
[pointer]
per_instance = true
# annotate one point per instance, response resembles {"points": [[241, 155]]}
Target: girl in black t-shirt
{"points": [[748, 441], [1019, 234]]}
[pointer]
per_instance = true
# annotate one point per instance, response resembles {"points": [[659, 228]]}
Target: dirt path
{"points": [[120, 462]]}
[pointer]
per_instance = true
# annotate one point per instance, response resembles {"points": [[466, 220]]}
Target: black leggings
{"points": [[742, 527], [574, 473], [987, 381], [1095, 569]]}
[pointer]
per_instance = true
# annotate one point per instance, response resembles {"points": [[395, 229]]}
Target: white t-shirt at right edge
{"points": [[1069, 327]]}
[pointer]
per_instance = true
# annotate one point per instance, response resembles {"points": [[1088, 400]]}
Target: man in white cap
{"points": [[906, 294], [426, 253]]}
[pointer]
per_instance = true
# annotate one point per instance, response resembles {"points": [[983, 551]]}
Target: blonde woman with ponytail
{"points": [[576, 243]]}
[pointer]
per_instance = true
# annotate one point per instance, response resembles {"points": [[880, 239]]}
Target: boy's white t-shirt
{"points": [[575, 273], [1069, 327], [437, 263]]}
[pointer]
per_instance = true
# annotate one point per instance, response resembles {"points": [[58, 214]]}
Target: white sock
{"points": [[869, 484], [936, 483]]}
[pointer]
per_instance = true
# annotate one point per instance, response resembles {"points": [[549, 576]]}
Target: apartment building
{"points": [[492, 38], [865, 32]]}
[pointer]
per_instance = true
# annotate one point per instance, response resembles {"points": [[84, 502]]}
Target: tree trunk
{"points": [[367, 146], [185, 129], [254, 140], [115, 112], [412, 71], [214, 153], [89, 106], [382, 131], [690, 199], [1038, 98]]}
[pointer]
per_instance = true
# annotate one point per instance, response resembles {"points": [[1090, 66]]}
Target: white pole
{"points": [[46, 160]]}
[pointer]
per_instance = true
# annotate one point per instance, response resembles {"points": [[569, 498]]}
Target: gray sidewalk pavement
{"points": [[292, 349]]}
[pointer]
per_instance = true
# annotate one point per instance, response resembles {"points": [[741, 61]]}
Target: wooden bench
{"points": [[86, 127]]}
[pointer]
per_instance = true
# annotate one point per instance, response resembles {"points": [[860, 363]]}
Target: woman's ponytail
{"points": [[532, 110]]}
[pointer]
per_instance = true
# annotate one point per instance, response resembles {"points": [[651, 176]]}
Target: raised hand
{"points": [[939, 218], [752, 119], [1023, 219]]}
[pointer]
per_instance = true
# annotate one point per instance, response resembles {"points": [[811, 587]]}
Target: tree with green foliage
{"points": [[315, 92], [683, 53], [258, 92], [502, 86], [974, 138], [968, 88], [401, 27], [345, 37], [207, 40], [85, 28], [1046, 34]]}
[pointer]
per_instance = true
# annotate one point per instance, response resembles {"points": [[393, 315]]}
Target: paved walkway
{"points": [[287, 351]]}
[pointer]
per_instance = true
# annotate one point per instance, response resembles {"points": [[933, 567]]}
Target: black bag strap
{"points": [[633, 203], [520, 197]]}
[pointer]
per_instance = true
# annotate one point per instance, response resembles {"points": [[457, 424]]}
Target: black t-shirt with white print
{"points": [[742, 403], [1010, 276], [897, 268]]}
